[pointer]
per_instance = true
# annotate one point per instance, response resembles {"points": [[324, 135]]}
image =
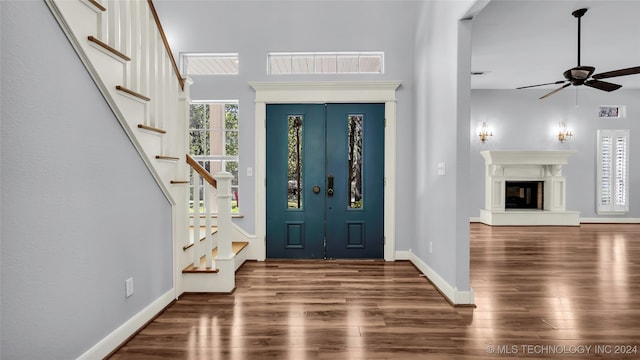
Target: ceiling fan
{"points": [[582, 75]]}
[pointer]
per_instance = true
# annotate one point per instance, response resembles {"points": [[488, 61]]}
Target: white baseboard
{"points": [[403, 255], [454, 295], [583, 220], [599, 220], [119, 335]]}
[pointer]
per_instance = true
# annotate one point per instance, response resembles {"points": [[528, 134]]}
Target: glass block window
{"points": [[613, 176], [213, 140], [209, 64], [293, 63]]}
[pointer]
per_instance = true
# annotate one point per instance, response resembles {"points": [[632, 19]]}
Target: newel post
{"points": [[224, 215], [225, 259]]}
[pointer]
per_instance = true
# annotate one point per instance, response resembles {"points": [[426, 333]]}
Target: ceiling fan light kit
{"points": [[583, 75], [579, 73]]}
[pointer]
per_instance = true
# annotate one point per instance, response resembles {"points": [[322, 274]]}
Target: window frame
{"points": [[184, 63], [618, 173], [222, 158], [315, 57]]}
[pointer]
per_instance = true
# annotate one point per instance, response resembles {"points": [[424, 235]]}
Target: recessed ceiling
{"points": [[519, 43]]}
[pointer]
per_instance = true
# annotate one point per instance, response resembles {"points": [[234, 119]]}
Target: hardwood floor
{"points": [[541, 293]]}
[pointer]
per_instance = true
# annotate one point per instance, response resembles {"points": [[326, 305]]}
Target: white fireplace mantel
{"points": [[523, 157], [520, 165]]}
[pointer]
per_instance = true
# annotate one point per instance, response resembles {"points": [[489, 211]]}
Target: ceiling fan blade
{"points": [[555, 91], [621, 72], [602, 85], [553, 83]]}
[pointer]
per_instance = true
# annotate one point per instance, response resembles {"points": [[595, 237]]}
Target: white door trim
{"points": [[327, 92]]}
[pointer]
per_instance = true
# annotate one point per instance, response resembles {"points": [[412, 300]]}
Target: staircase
{"points": [[124, 49]]}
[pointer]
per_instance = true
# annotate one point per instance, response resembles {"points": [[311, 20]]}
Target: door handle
{"points": [[330, 185]]}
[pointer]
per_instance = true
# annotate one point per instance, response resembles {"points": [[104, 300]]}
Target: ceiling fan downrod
{"points": [[578, 14]]}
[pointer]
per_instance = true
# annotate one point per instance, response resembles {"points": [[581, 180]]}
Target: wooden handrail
{"points": [[202, 171], [166, 44]]}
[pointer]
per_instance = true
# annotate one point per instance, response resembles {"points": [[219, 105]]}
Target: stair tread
{"points": [[236, 246], [233, 216], [151, 128], [128, 91], [169, 158]]}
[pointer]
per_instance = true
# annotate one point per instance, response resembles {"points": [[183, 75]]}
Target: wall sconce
{"points": [[485, 132], [564, 133]]}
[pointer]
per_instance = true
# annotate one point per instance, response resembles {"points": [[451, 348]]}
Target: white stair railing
{"points": [[123, 47], [202, 248], [202, 183], [224, 263]]}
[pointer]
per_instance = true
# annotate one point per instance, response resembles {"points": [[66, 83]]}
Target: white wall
{"points": [[253, 28], [522, 122], [80, 212]]}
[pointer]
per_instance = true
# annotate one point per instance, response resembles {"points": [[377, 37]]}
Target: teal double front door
{"points": [[325, 181]]}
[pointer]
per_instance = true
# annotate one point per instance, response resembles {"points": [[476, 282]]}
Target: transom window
{"points": [[292, 63], [209, 64]]}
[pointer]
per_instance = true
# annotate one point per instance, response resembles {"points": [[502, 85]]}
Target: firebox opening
{"points": [[524, 195]]}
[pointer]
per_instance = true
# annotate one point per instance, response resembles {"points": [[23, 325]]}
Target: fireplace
{"points": [[524, 195], [526, 188]]}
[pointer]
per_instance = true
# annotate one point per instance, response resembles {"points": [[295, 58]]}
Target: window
{"points": [[613, 165], [325, 63], [209, 64], [213, 140], [354, 144]]}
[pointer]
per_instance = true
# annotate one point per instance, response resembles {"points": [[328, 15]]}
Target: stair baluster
{"points": [[208, 247], [197, 251]]}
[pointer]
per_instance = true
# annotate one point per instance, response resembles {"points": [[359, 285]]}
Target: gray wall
{"points": [[522, 122], [442, 68], [428, 207], [253, 28], [80, 211]]}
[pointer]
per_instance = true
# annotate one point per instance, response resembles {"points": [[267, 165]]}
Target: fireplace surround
{"points": [[512, 178]]}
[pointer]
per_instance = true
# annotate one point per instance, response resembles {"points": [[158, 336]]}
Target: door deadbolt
{"points": [[316, 189]]}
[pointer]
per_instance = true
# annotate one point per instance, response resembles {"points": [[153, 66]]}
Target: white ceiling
{"points": [[525, 42]]}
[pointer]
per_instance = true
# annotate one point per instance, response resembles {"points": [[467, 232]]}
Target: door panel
{"points": [[341, 150], [292, 231], [355, 213]]}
